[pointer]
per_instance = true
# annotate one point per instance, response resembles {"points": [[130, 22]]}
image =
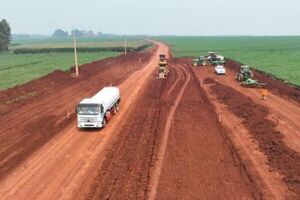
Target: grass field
{"points": [[16, 69], [81, 42], [21, 68], [279, 56]]}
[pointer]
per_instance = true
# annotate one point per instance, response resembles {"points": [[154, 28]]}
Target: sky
{"points": [[155, 17]]}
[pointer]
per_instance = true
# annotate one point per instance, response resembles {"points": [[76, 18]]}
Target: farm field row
{"points": [[279, 56], [16, 69], [81, 42]]}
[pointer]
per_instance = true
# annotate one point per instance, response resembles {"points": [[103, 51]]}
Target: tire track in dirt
{"points": [[200, 161], [280, 157], [164, 142], [254, 160], [269, 180], [179, 76], [125, 172]]}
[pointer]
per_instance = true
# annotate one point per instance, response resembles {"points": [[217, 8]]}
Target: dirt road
{"points": [[173, 148], [193, 135], [57, 169]]}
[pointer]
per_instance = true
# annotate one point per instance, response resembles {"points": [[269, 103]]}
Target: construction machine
{"points": [[200, 61], [216, 59], [246, 78], [163, 69]]}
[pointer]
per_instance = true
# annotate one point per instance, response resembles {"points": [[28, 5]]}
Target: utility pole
{"points": [[75, 53], [125, 46]]}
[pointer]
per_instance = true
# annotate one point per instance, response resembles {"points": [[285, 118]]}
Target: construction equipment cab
{"points": [[162, 57], [200, 61], [245, 73], [216, 59], [95, 112]]}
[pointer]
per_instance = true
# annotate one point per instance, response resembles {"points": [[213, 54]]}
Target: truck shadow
{"points": [[90, 130]]}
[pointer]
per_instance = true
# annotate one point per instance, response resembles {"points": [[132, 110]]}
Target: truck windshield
{"points": [[88, 109]]}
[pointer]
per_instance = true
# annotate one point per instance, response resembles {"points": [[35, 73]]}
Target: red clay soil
{"points": [[209, 81], [32, 121], [281, 158], [275, 85], [125, 172], [200, 162]]}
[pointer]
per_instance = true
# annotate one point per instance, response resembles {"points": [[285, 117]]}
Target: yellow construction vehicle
{"points": [[163, 69]]}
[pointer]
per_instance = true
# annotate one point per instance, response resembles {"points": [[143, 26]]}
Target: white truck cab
{"points": [[96, 111]]}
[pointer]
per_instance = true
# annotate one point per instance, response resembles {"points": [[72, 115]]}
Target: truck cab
{"points": [[89, 114]]}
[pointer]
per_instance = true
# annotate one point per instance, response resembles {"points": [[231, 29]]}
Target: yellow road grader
{"points": [[163, 69]]}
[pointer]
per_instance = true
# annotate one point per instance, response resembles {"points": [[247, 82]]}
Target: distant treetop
{"points": [[5, 35], [60, 34]]}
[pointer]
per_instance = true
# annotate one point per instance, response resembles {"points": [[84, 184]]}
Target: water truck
{"points": [[95, 112]]}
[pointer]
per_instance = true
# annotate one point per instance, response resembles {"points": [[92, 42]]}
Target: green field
{"points": [[21, 68], [279, 56], [16, 69], [81, 42]]}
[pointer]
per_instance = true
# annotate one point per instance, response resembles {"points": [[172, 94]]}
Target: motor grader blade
{"points": [[251, 83]]}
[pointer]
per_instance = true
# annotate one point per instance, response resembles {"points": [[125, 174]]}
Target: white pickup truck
{"points": [[96, 111], [220, 70]]}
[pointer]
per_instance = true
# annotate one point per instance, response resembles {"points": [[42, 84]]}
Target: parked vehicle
{"points": [[220, 70]]}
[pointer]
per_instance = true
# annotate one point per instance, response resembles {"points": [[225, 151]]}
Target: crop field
{"points": [[16, 69], [21, 68], [81, 42], [279, 56]]}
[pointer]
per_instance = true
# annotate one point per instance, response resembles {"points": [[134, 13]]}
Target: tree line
{"points": [[5, 35], [59, 33]]}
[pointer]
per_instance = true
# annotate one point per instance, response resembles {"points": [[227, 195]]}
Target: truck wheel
{"points": [[104, 122], [115, 109], [240, 77]]}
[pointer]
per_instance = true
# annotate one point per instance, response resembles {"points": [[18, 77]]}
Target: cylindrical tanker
{"points": [[108, 96], [96, 111]]}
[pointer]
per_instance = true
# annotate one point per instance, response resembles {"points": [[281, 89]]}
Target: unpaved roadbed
{"points": [[167, 142]]}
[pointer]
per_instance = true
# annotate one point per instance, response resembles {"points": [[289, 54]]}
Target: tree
{"points": [[5, 35], [60, 34], [78, 33]]}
